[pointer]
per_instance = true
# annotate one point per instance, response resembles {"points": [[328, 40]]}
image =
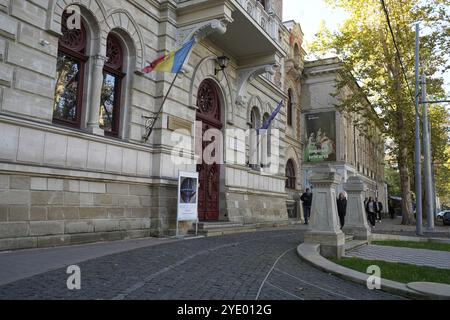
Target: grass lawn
{"points": [[400, 272], [415, 245]]}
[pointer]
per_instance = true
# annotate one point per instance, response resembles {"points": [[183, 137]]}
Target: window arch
{"points": [[265, 144], [71, 64], [291, 178], [289, 108], [255, 151], [113, 75]]}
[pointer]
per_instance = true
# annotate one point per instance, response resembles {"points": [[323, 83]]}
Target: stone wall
{"points": [[251, 208], [41, 212]]}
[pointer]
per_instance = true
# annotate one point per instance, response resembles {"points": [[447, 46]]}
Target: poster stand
{"points": [[187, 207]]}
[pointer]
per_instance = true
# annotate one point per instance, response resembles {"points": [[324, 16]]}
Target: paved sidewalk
{"points": [[420, 257], [394, 226], [17, 265]]}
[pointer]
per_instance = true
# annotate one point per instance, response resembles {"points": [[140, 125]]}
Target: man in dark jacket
{"points": [[342, 208], [379, 209], [307, 203]]}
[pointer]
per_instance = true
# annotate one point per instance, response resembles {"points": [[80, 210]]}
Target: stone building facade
{"points": [[74, 105], [359, 148], [293, 71]]}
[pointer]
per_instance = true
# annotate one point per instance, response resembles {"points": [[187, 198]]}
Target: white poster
{"points": [[187, 196]]}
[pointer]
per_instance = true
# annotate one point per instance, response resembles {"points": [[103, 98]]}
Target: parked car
{"points": [[441, 214], [446, 219]]}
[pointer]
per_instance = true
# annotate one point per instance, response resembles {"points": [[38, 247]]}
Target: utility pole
{"points": [[418, 152], [427, 158]]}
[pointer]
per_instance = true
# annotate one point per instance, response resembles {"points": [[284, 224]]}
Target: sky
{"points": [[310, 14]]}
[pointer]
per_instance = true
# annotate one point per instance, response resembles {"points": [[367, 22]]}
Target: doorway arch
{"points": [[209, 116]]}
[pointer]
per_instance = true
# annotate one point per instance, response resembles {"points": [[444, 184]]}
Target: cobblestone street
{"points": [[261, 265]]}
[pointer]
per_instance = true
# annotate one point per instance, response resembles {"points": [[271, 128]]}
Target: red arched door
{"points": [[209, 114]]}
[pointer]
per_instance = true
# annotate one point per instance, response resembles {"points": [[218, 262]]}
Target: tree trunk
{"points": [[405, 180]]}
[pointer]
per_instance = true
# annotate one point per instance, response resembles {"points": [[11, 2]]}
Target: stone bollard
{"points": [[356, 219], [324, 224]]}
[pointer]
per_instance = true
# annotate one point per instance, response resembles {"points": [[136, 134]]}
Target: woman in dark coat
{"points": [[342, 208]]}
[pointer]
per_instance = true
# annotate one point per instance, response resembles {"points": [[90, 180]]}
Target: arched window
{"points": [[266, 147], [289, 108], [70, 68], [255, 122], [291, 179], [111, 89]]}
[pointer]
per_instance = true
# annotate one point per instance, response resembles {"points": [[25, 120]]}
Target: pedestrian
{"points": [[342, 208], [307, 202], [379, 209], [371, 213], [391, 209]]}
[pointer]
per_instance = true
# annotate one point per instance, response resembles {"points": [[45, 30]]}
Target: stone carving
{"points": [[201, 30], [244, 76]]}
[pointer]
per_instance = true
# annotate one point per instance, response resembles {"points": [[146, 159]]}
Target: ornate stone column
{"points": [[356, 219], [96, 90], [324, 225]]}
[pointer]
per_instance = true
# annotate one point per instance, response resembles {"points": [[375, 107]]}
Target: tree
{"points": [[365, 45]]}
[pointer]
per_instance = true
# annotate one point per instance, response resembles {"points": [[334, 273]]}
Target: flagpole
{"points": [[160, 108]]}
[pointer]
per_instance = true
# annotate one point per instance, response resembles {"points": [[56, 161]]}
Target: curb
{"points": [[311, 254]]}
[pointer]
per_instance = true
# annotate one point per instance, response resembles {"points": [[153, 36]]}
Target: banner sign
{"points": [[187, 196], [320, 137]]}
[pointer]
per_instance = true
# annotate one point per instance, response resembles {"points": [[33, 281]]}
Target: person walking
{"points": [[371, 211], [342, 208], [307, 202], [379, 209]]}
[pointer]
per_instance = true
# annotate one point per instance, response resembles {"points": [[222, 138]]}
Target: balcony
{"points": [[253, 34]]}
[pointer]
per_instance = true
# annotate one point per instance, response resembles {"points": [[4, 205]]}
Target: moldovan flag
{"points": [[171, 62]]}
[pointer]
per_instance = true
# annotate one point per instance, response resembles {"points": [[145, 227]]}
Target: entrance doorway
{"points": [[209, 114]]}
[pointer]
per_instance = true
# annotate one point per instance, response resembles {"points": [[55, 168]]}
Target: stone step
{"points": [[214, 232], [349, 237], [212, 229], [355, 244], [217, 225]]}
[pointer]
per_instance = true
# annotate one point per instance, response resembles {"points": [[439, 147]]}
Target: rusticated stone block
{"points": [[63, 213], [46, 198], [117, 188], [106, 225], [71, 199], [14, 197], [13, 229], [93, 213], [38, 213], [79, 226], [18, 214], [19, 182], [53, 241], [46, 228], [103, 199], [18, 243]]}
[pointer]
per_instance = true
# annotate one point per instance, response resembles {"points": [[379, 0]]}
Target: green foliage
{"points": [[366, 47]]}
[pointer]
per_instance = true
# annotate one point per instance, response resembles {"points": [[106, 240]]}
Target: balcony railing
{"points": [[267, 20]]}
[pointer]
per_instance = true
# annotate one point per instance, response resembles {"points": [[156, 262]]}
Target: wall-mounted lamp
{"points": [[222, 62]]}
